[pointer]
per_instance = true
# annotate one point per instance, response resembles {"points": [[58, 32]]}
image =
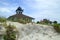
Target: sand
{"points": [[35, 31]]}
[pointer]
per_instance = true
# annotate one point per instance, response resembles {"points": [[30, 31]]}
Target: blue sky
{"points": [[39, 9]]}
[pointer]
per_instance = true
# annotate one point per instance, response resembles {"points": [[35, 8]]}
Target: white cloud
{"points": [[44, 8], [4, 10], [7, 11], [4, 3], [40, 4]]}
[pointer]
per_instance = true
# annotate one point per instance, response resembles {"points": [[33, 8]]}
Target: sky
{"points": [[38, 9]]}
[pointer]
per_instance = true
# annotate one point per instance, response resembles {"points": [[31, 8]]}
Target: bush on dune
{"points": [[57, 27], [2, 19], [10, 33]]}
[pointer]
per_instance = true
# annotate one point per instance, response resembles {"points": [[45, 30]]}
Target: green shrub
{"points": [[46, 21], [2, 19], [57, 27], [38, 22], [22, 21], [55, 22], [10, 33]]}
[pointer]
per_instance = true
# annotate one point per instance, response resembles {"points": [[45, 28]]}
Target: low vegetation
{"points": [[57, 27], [2, 19], [10, 33], [55, 24], [22, 21], [44, 21], [38, 22]]}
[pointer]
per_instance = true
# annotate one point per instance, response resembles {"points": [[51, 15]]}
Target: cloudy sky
{"points": [[39, 9]]}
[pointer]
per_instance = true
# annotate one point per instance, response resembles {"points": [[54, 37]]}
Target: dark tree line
{"points": [[46, 21]]}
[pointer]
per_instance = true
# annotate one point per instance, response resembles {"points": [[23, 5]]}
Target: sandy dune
{"points": [[35, 32]]}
